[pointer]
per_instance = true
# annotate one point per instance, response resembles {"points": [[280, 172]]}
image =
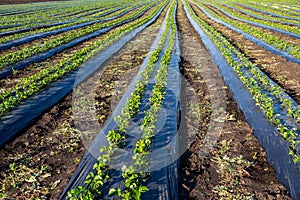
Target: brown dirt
{"points": [[285, 73], [41, 41], [54, 141], [202, 177], [40, 146], [5, 2], [13, 79], [47, 153], [284, 37], [255, 11]]}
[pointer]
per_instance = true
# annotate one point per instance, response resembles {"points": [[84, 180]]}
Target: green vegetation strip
{"points": [[35, 31], [289, 28], [277, 91], [28, 86], [259, 14], [276, 8], [29, 51], [265, 102], [97, 179], [268, 38], [136, 174], [59, 12]]}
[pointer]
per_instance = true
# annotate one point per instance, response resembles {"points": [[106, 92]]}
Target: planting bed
{"points": [[162, 99], [54, 140], [202, 178], [22, 1], [284, 72]]}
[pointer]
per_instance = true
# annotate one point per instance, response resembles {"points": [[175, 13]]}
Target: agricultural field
{"points": [[161, 99]]}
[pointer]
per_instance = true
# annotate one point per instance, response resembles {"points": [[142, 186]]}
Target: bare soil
{"points": [[42, 159], [284, 37], [45, 156], [207, 177], [7, 2], [12, 80], [255, 11], [283, 72]]}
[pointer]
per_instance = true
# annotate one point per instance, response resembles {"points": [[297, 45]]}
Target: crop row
{"points": [[33, 22], [87, 11], [135, 175], [260, 15], [78, 10], [57, 11], [268, 38], [42, 14], [33, 36], [28, 51], [20, 34], [254, 83], [288, 28], [268, 15], [133, 178], [275, 10], [31, 85]]}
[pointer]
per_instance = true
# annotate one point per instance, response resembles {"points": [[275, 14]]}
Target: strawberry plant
{"points": [[254, 83], [135, 175], [96, 180], [34, 83]]}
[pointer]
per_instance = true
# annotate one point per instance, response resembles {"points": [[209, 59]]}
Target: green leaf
{"points": [[137, 195], [291, 152], [144, 189], [297, 159], [112, 191]]}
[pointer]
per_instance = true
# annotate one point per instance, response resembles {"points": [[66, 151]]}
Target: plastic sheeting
{"points": [[25, 11], [89, 158], [277, 149], [110, 12], [16, 13], [82, 11], [30, 38], [255, 40], [262, 18], [259, 25], [32, 27], [22, 116], [271, 14], [44, 55], [97, 11], [163, 182], [11, 26], [164, 163]]}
